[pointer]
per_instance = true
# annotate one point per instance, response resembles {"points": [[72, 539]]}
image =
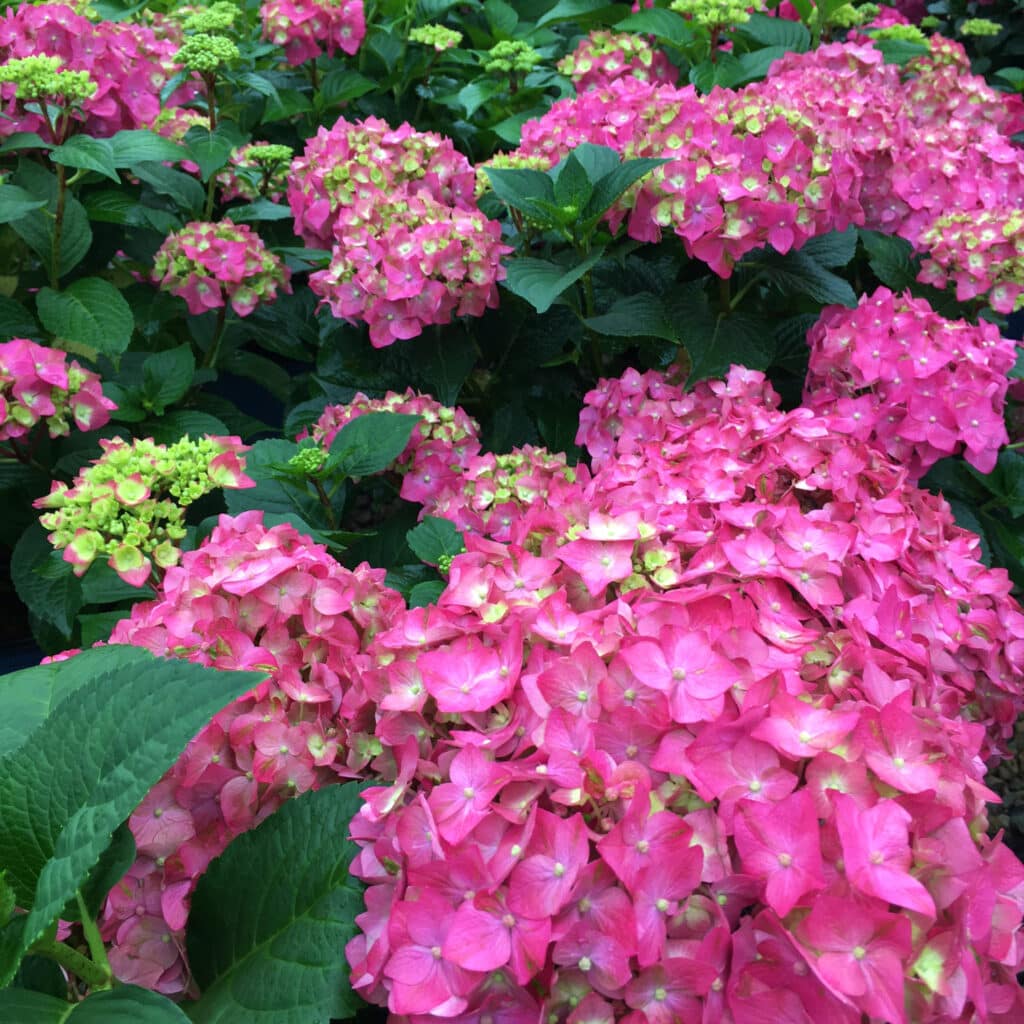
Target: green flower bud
{"points": [[205, 53], [437, 36]]}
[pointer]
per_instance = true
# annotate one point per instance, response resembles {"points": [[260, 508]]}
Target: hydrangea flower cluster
{"points": [[745, 170], [308, 28], [127, 62], [441, 445], [440, 37], [356, 164], [257, 169], [256, 599], [717, 14], [37, 384], [603, 56], [918, 386], [703, 738], [210, 265], [418, 263], [130, 503], [398, 209]]}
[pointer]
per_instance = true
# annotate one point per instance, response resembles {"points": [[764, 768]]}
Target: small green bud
{"points": [[205, 53]]}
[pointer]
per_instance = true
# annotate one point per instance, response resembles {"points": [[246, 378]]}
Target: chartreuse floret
{"points": [[205, 53], [439, 37], [980, 27], [511, 55], [129, 504], [215, 19], [40, 75], [716, 13]]}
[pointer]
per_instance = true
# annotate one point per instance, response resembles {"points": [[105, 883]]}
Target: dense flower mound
{"points": [[603, 56], [939, 166], [249, 598], [129, 504], [442, 444], [211, 265], [257, 169], [308, 28], [355, 165], [397, 208], [705, 735], [745, 170], [915, 384], [416, 262], [38, 384], [128, 63]]}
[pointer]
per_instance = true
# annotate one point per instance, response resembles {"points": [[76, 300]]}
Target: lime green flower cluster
{"points": [[980, 27], [205, 53], [308, 460], [717, 13], [511, 55], [213, 20], [39, 76], [130, 503], [439, 37], [849, 16], [904, 33]]}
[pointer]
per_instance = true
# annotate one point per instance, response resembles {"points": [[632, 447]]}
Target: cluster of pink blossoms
{"points": [[604, 56], [934, 146], [442, 443], [704, 738], [308, 28], [210, 265], [397, 208], [918, 386], [249, 598], [129, 63], [745, 170], [37, 383]]}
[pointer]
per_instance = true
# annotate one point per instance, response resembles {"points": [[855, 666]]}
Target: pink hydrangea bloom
{"points": [[308, 28]]}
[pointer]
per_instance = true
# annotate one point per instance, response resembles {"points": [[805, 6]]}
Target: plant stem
{"points": [[58, 226], [210, 79], [94, 975], [325, 503], [93, 938], [210, 359]]}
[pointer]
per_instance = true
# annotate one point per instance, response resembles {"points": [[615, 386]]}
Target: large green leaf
{"points": [[667, 26], [90, 312], [186, 192], [271, 917], [370, 443], [890, 258], [36, 230], [262, 464], [44, 583], [123, 1005], [16, 321], [16, 202], [791, 35], [435, 539], [637, 316], [136, 145], [87, 153], [542, 282], [81, 773]]}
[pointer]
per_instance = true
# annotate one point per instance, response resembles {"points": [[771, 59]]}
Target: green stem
{"points": [[94, 975], [325, 503], [58, 226], [94, 939], [211, 193], [210, 79], [213, 352], [724, 293], [743, 291]]}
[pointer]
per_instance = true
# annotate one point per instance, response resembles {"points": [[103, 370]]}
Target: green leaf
{"points": [[261, 209], [735, 340], [1006, 481], [501, 17], [53, 598], [89, 764], [899, 51], [138, 145], [597, 161], [435, 539], [126, 1004], [791, 35], [101, 585], [167, 376], [832, 250], [528, 190], [667, 26], [370, 443], [801, 274], [426, 593], [890, 259], [571, 10], [270, 493], [36, 230], [24, 140], [573, 187], [115, 860], [186, 192], [87, 153], [284, 961], [756, 65], [90, 312], [19, 1006], [16, 321], [636, 316], [726, 71], [16, 202], [612, 185], [209, 150], [343, 85], [173, 426], [541, 282]]}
